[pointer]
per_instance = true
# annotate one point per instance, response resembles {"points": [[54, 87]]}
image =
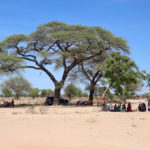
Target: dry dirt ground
{"points": [[73, 128]]}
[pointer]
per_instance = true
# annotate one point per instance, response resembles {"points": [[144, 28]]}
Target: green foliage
{"points": [[72, 91], [148, 80], [56, 42], [34, 92], [84, 95], [9, 63], [46, 92], [7, 92], [122, 73], [78, 92], [18, 85]]}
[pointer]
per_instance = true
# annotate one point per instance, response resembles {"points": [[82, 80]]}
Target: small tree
{"points": [[121, 72], [7, 92], [46, 92], [34, 92], [18, 85], [72, 91]]}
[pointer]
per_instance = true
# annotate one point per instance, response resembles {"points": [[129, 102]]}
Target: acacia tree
{"points": [[89, 75], [62, 46], [91, 72], [9, 63], [121, 72], [18, 85]]}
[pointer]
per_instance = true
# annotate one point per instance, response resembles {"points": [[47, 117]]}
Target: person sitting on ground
{"points": [[104, 107], [123, 107], [115, 108], [142, 107], [148, 105], [4, 104], [7, 103], [129, 109], [139, 107], [119, 108], [110, 106]]}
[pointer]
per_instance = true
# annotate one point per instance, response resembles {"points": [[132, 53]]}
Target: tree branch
{"points": [[85, 73], [31, 67]]}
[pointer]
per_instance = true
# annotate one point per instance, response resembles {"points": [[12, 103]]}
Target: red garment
{"points": [[130, 108]]}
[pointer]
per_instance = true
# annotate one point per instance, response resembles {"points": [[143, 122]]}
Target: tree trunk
{"points": [[104, 94], [91, 95], [70, 97], [57, 96], [92, 90], [17, 96]]}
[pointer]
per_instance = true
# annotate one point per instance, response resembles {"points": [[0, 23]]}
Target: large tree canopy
{"points": [[62, 46]]}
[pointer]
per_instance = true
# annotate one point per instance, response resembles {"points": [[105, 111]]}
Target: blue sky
{"points": [[129, 19]]}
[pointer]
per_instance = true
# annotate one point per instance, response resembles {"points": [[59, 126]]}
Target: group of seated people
{"points": [[124, 108], [7, 104], [84, 102], [119, 108]]}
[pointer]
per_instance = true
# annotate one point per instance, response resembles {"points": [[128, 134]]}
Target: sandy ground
{"points": [[73, 128]]}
